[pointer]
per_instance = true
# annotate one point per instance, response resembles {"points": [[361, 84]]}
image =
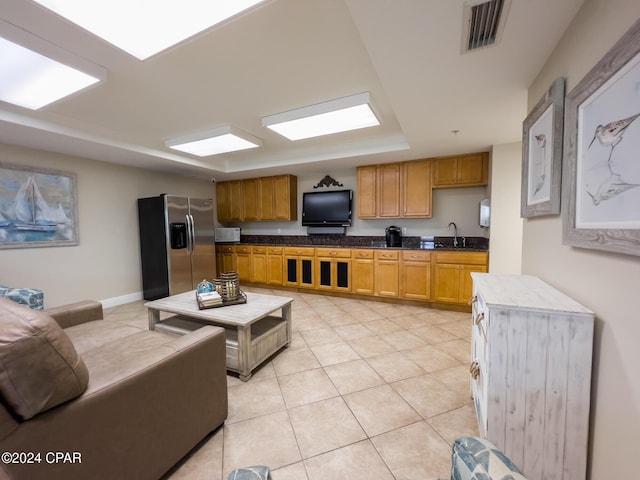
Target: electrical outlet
{"points": [[404, 230]]}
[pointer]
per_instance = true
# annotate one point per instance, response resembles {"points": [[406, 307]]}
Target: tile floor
{"points": [[367, 390]]}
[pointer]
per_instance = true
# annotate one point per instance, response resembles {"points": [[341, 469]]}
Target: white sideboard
{"points": [[531, 373]]}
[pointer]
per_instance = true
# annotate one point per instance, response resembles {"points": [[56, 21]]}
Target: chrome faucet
{"points": [[455, 233]]}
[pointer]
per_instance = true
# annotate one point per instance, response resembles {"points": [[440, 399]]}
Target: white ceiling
{"points": [[287, 54]]}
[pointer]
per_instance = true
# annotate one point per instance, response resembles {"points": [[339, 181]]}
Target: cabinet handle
{"points": [[474, 369], [479, 318], [473, 300]]}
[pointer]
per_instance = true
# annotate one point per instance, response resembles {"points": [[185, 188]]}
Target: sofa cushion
{"points": [[39, 367]]}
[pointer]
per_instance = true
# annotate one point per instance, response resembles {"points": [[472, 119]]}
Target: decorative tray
{"points": [[241, 298]]}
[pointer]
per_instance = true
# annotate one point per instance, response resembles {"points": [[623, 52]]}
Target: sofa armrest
{"points": [[76, 313]]}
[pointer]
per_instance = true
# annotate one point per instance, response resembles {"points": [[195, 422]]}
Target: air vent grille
{"points": [[484, 22]]}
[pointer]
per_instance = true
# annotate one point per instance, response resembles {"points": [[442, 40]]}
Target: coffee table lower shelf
{"points": [[268, 335]]}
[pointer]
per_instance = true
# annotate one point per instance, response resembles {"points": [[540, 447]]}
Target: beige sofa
{"points": [[103, 399]]}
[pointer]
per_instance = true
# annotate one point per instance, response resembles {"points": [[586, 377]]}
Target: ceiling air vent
{"points": [[483, 22]]}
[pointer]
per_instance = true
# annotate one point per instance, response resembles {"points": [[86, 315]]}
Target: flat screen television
{"points": [[327, 209]]}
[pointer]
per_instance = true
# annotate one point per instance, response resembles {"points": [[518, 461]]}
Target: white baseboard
{"points": [[121, 300]]}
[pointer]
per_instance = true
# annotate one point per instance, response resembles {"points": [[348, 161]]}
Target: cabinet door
{"points": [[274, 266], [473, 170], [445, 171], [222, 202], [466, 283], [250, 197], [285, 195], [446, 281], [416, 194], [243, 266], [389, 190], [366, 194], [266, 203], [259, 265], [387, 277], [228, 262], [235, 200], [416, 280]]}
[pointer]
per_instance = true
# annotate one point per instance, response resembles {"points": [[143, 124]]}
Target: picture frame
{"points": [[542, 139], [601, 187], [38, 207]]}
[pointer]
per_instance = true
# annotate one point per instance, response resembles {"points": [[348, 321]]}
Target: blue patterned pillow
{"points": [[31, 297], [478, 459], [251, 473]]}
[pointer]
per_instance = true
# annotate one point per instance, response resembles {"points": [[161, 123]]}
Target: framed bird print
{"points": [[601, 183], [542, 154]]}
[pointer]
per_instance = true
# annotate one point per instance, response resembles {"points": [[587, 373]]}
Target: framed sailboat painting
{"points": [[38, 207]]}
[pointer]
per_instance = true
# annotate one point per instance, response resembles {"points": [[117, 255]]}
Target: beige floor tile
{"points": [[323, 426], [457, 423], [334, 353], [403, 340], [380, 409], [290, 472], [456, 378], [431, 358], [306, 387], [371, 346], [293, 361], [460, 349], [353, 376], [430, 397], [253, 399], [306, 319], [267, 440], [415, 452], [383, 326], [357, 461], [320, 336], [433, 317], [353, 331], [341, 318], [433, 334], [265, 370], [409, 322], [203, 463], [394, 366], [389, 310], [460, 328]]}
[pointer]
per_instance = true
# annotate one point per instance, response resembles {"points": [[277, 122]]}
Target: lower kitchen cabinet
{"points": [[531, 374], [415, 275], [452, 275], [362, 272], [298, 266], [333, 269], [275, 274], [226, 258], [243, 262], [259, 264], [387, 273]]}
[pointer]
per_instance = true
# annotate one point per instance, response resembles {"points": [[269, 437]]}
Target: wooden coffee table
{"points": [[253, 332]]}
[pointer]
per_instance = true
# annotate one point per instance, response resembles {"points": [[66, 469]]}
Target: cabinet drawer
{"points": [[243, 248], [386, 254], [226, 248], [333, 252], [274, 250], [362, 253], [416, 256], [259, 250], [304, 251], [466, 258]]}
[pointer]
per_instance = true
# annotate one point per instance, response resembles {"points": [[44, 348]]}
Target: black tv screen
{"points": [[327, 208]]}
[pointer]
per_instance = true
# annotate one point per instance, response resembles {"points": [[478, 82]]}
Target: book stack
{"points": [[209, 299]]}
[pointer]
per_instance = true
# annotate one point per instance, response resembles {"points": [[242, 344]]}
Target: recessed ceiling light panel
{"points": [[340, 115], [144, 28], [214, 142]]}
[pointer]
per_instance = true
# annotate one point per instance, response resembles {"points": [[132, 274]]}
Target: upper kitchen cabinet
{"points": [[395, 190], [261, 199], [461, 171]]}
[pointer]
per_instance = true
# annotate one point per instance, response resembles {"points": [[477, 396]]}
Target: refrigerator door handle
{"points": [[187, 218], [192, 233]]}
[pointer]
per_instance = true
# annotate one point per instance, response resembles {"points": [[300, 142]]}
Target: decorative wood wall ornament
{"points": [[327, 181]]}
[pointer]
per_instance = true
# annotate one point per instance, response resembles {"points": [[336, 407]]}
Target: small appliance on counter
{"points": [[393, 236], [227, 235]]}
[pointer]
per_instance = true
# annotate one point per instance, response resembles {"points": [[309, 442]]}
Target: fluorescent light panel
{"points": [[32, 80], [214, 142], [144, 28], [340, 115]]}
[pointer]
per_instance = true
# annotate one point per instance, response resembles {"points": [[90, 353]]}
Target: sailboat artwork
{"points": [[36, 209]]}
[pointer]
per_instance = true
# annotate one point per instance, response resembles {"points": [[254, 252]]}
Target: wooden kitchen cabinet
{"points": [[285, 197], [387, 273], [259, 264], [251, 200], [363, 272], [395, 190], [298, 267], [243, 262], [415, 275], [461, 171], [225, 255], [452, 275], [275, 275], [229, 201], [333, 269], [532, 350]]}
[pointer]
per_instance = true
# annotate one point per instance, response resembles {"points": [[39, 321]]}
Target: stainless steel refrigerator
{"points": [[177, 247]]}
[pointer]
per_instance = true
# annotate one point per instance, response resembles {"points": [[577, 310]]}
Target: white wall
{"points": [[459, 205], [106, 263], [506, 224], [606, 283]]}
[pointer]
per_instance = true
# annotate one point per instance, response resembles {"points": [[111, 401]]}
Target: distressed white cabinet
{"points": [[531, 373]]}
